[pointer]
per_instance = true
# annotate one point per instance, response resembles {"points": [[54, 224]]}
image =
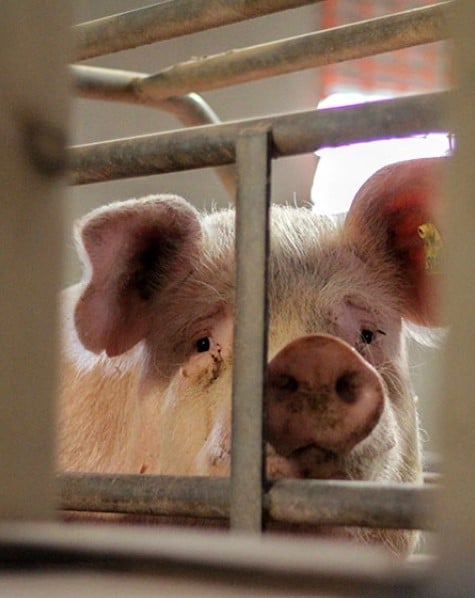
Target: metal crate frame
{"points": [[257, 142]]}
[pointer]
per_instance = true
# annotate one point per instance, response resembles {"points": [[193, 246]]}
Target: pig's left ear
{"points": [[393, 224], [133, 252]]}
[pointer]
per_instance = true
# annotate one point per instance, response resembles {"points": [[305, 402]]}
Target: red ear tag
{"points": [[429, 233]]}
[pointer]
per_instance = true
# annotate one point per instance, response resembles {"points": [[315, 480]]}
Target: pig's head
{"points": [[339, 403]]}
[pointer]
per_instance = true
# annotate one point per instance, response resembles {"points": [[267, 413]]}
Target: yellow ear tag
{"points": [[432, 245]]}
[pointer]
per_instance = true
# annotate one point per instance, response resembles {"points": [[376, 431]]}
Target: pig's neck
{"points": [[95, 400], [95, 427]]}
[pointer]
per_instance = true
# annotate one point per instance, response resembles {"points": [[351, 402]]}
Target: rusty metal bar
{"points": [[253, 148], [329, 46], [296, 133], [114, 85], [249, 565], [314, 502], [167, 20]]}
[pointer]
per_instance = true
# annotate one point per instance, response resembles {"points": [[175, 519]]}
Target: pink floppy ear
{"points": [[393, 220], [132, 253]]}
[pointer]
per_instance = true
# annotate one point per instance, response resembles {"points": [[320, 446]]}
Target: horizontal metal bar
{"points": [[241, 562], [431, 461], [432, 478], [329, 46], [167, 20], [402, 506], [114, 84], [292, 134], [314, 502], [145, 495]]}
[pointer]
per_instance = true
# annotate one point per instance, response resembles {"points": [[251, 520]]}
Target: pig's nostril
{"points": [[287, 383], [347, 388]]}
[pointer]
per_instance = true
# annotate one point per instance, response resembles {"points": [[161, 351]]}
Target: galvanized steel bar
{"points": [[114, 84], [167, 20], [329, 46], [253, 160], [313, 502], [296, 133]]}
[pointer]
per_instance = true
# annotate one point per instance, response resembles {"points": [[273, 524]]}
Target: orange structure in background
{"points": [[416, 69]]}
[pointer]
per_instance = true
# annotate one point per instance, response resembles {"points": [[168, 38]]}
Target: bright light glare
{"points": [[341, 171]]}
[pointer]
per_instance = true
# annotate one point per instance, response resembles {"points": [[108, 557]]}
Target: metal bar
{"points": [[432, 478], [113, 84], [329, 46], [167, 20], [293, 134], [188, 496], [33, 120], [253, 151], [456, 566], [313, 502], [402, 506], [249, 565]]}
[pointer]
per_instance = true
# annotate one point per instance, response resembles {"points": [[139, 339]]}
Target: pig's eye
{"points": [[367, 336], [203, 344]]}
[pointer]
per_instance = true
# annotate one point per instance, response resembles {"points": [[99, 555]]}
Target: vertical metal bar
{"points": [[456, 570], [33, 116], [250, 332]]}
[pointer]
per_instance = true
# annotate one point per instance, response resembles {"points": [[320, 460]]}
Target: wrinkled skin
{"points": [[148, 339]]}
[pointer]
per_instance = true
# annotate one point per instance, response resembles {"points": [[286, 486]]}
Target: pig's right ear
{"points": [[393, 223], [132, 252]]}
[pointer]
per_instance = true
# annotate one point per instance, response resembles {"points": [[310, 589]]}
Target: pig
{"points": [[147, 350]]}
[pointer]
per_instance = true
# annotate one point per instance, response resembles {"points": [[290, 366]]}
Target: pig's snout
{"points": [[320, 393]]}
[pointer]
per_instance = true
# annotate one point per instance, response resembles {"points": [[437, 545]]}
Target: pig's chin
{"points": [[315, 462], [309, 462], [312, 461]]}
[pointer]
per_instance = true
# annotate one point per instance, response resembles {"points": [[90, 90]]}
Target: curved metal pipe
{"points": [[118, 85]]}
